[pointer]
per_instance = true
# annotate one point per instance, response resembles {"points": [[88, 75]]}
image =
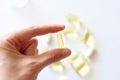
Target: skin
{"points": [[19, 59]]}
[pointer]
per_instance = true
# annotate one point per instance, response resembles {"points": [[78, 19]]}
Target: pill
{"points": [[57, 66], [84, 71], [73, 18], [80, 64], [60, 39], [89, 39]]}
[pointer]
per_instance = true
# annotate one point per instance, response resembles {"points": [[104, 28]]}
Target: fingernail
{"points": [[66, 52], [63, 26]]}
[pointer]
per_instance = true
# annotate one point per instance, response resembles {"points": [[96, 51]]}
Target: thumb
{"points": [[51, 56]]}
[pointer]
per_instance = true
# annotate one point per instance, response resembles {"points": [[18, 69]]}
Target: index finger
{"points": [[27, 33]]}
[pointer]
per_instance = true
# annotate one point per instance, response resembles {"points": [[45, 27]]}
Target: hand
{"points": [[18, 53]]}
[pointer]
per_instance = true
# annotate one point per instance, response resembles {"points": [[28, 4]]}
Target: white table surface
{"points": [[102, 16]]}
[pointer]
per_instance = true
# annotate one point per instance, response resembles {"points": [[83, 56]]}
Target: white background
{"points": [[102, 16]]}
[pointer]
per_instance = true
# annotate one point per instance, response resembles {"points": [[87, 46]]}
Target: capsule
{"points": [[86, 37], [71, 32], [89, 39], [84, 71], [57, 66], [60, 39], [80, 64], [73, 18]]}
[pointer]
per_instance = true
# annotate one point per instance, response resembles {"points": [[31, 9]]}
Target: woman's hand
{"points": [[19, 59]]}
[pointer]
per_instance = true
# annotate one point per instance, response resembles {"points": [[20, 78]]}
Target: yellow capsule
{"points": [[91, 52], [60, 39], [80, 64], [91, 42], [88, 39], [84, 71], [78, 61], [57, 66], [71, 32], [72, 58], [73, 18]]}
